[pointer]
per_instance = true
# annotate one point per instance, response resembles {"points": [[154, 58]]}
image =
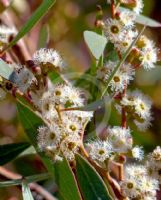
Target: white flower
{"points": [[49, 136], [23, 77], [121, 78], [154, 169], [6, 32], [99, 150], [125, 40], [71, 125], [67, 95], [148, 58], [141, 104], [135, 171], [113, 29], [73, 95], [129, 187], [138, 6], [81, 116], [137, 153], [144, 125], [148, 185], [123, 75], [127, 18], [138, 184], [120, 139], [48, 56], [144, 43], [154, 164], [156, 154], [47, 106], [70, 145]]}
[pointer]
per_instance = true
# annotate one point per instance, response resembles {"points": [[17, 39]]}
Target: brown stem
{"points": [[113, 8], [33, 186]]}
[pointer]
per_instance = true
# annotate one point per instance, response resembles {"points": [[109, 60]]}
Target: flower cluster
{"points": [[60, 105], [118, 142], [137, 184], [62, 135]]}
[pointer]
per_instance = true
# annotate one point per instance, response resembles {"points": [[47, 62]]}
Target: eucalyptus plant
{"points": [[86, 157]]}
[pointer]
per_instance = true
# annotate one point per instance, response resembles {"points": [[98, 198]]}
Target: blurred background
{"points": [[67, 20]]}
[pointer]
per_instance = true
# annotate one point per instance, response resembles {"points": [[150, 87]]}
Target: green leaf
{"points": [[91, 184], [95, 42], [43, 37], [9, 152], [26, 193], [5, 70], [36, 16], [31, 122], [141, 19], [67, 184], [28, 179], [37, 177], [10, 183]]}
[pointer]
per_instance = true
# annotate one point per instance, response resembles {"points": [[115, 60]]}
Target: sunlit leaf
{"points": [[5, 70], [95, 42]]}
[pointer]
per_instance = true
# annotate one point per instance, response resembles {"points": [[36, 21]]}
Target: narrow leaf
{"points": [[36, 16], [67, 184], [9, 152], [95, 42], [37, 177], [28, 179], [26, 193], [43, 37], [10, 183], [91, 185]]}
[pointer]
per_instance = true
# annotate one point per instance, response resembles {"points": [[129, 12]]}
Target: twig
{"points": [[113, 8], [33, 186]]}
